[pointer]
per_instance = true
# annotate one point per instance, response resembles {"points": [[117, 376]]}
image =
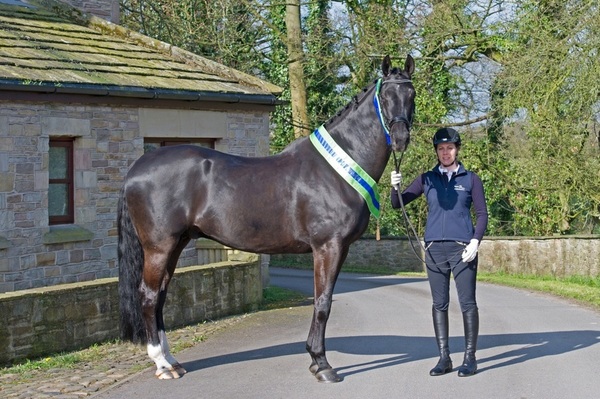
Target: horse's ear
{"points": [[409, 65], [386, 66]]}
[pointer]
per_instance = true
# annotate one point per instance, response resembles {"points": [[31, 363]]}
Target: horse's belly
{"points": [[255, 229], [264, 245]]}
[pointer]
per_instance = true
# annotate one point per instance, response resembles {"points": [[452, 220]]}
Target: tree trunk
{"points": [[296, 72]]}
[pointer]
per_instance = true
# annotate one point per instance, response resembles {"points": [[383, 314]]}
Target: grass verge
{"points": [[277, 298], [583, 290], [61, 360]]}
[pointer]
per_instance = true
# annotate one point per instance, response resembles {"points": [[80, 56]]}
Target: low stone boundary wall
{"points": [[395, 253], [561, 256], [544, 256], [47, 320]]}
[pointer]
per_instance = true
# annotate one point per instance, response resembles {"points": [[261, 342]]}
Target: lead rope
{"points": [[408, 225]]}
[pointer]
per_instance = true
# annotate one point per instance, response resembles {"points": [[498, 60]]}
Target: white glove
{"points": [[470, 250], [396, 179]]}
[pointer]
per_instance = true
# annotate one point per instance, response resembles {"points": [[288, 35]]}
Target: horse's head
{"points": [[396, 96]]}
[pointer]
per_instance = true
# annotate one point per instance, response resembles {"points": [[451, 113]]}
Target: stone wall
{"points": [[43, 321], [107, 140], [561, 256], [394, 253], [544, 256]]}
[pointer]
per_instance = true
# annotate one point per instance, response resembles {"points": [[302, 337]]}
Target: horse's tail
{"points": [[131, 263]]}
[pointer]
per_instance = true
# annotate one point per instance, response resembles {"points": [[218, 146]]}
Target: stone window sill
{"points": [[67, 233]]}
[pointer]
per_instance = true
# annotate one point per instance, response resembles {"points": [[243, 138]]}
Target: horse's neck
{"points": [[359, 132]]}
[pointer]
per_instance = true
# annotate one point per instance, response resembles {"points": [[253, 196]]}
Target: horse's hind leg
{"points": [[178, 369], [327, 263], [158, 270]]}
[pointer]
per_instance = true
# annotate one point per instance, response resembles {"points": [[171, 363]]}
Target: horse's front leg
{"points": [[327, 263]]}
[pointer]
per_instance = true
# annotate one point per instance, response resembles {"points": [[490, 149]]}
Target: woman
{"points": [[451, 242]]}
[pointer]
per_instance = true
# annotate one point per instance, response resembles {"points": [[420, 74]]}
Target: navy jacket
{"points": [[449, 203]]}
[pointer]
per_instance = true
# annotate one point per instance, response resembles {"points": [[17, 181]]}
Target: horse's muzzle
{"points": [[400, 133]]}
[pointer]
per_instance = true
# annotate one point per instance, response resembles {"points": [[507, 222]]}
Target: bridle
{"points": [[395, 119], [387, 126]]}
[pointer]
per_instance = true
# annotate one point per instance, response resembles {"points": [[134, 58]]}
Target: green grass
{"points": [[584, 290], [60, 360], [277, 298], [66, 360]]}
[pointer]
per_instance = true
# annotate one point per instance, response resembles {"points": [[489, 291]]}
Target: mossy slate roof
{"points": [[60, 49]]}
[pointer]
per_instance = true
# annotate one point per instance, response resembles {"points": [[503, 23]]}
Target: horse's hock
{"points": [[47, 320]]}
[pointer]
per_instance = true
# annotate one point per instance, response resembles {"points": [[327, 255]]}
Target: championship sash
{"points": [[347, 168]]}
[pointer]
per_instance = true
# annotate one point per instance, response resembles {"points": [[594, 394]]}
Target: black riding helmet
{"points": [[446, 135]]}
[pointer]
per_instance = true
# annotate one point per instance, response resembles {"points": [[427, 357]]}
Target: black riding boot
{"points": [[440, 326], [471, 323]]}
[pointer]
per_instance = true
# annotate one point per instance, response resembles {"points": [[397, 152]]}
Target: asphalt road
{"points": [[380, 340]]}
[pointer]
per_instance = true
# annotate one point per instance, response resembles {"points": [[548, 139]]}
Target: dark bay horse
{"points": [[292, 202]]}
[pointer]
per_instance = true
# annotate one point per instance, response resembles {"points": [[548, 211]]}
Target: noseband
{"points": [[396, 119]]}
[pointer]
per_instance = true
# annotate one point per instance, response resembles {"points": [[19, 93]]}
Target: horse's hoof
{"points": [[175, 374], [168, 374], [178, 368], [164, 375], [328, 375]]}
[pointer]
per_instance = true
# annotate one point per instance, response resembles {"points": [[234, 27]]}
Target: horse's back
{"points": [[171, 166], [275, 204], [258, 204]]}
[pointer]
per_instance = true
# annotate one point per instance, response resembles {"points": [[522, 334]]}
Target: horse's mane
{"points": [[357, 99], [352, 104]]}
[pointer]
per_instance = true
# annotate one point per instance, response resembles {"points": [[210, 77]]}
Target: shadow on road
{"points": [[405, 349]]}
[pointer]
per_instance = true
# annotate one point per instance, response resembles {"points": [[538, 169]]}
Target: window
{"points": [[153, 144], [60, 189]]}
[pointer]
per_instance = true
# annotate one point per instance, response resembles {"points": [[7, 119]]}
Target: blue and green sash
{"points": [[347, 168]]}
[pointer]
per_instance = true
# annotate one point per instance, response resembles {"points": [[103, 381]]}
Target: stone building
{"points": [[81, 98]]}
